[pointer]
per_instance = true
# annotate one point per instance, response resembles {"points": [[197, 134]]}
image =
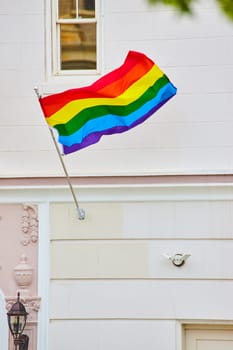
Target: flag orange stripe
{"points": [[111, 85]]}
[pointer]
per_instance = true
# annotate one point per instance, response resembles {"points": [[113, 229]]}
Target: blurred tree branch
{"points": [[185, 6]]}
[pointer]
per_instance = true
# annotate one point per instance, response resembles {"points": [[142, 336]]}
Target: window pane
{"points": [[67, 8], [78, 46], [86, 8]]}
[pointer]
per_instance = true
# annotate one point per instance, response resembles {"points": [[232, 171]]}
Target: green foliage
{"points": [[181, 5], [185, 6], [227, 7]]}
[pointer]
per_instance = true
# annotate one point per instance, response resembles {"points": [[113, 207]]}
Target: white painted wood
{"points": [[114, 334], [138, 193], [111, 287], [140, 259], [141, 5], [43, 276], [209, 339], [27, 134], [180, 51], [171, 218], [171, 299], [190, 135], [199, 291], [168, 161], [201, 25]]}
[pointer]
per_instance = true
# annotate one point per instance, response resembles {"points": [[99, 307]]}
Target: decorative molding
{"points": [[53, 182], [194, 191], [29, 224], [23, 274], [32, 305]]}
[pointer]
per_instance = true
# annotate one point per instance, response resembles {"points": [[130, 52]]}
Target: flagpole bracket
{"points": [[37, 92], [81, 213]]}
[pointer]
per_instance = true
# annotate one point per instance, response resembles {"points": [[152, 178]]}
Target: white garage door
{"points": [[209, 339]]}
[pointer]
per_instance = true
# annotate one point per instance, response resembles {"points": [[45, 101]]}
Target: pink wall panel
{"points": [[19, 261]]}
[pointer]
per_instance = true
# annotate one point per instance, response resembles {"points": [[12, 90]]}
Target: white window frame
{"points": [[53, 75]]}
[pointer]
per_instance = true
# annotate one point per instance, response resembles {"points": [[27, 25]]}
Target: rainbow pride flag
{"points": [[117, 102]]}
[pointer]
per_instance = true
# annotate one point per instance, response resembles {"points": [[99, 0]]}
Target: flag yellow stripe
{"points": [[72, 108]]}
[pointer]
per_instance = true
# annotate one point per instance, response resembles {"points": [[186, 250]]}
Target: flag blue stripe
{"points": [[109, 121]]}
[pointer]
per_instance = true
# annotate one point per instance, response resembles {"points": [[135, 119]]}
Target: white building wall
{"points": [[105, 282], [110, 284], [191, 134]]}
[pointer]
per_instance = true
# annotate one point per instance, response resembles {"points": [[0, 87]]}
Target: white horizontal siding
{"points": [[152, 25], [12, 138], [156, 299], [22, 27], [24, 86], [21, 160], [176, 136], [141, 5], [25, 108], [179, 52], [203, 109], [113, 162], [109, 276], [19, 56], [140, 259], [26, 7], [185, 219], [204, 80], [116, 335], [191, 134]]}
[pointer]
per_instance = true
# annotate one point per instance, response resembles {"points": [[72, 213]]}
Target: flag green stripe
{"points": [[132, 93], [98, 111]]}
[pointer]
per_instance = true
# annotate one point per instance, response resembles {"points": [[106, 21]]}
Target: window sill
{"points": [[60, 83]]}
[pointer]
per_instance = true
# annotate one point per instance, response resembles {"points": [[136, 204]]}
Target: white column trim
{"points": [[43, 276]]}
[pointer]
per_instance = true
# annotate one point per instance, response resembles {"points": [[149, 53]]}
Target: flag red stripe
{"points": [[111, 85]]}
